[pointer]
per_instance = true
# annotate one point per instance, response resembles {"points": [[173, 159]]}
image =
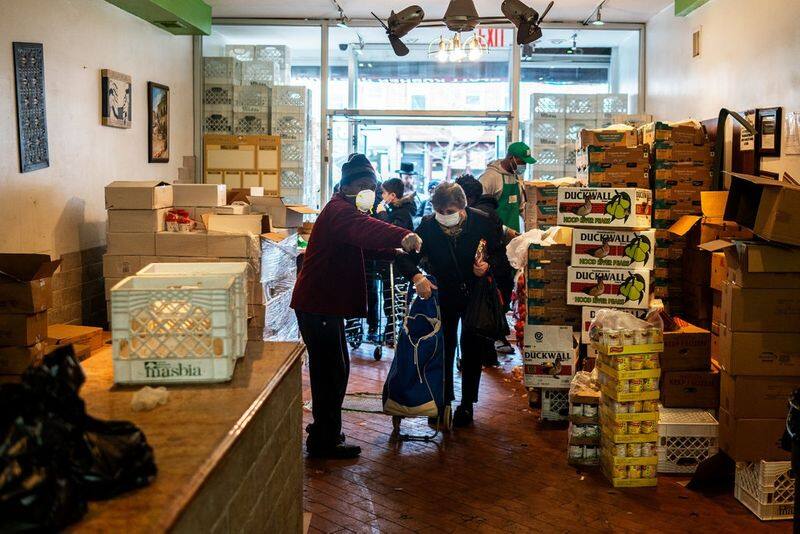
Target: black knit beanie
{"points": [[357, 166]]}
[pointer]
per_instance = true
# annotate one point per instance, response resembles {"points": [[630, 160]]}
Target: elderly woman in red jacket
{"points": [[331, 286]]}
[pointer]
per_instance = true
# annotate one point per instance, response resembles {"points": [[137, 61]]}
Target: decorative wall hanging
{"points": [[157, 123], [31, 115], [116, 89], [768, 124]]}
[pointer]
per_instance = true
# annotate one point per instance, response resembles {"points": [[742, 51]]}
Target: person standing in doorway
{"points": [[409, 178], [501, 180], [330, 287]]}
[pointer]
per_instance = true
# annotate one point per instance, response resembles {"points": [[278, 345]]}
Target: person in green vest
{"points": [[501, 180]]}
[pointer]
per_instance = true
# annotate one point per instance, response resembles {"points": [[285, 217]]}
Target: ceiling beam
{"points": [[178, 17], [684, 7]]}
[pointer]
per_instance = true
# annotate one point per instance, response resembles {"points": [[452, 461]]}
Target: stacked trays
{"points": [[687, 437], [766, 489], [629, 374], [291, 121], [174, 329]]}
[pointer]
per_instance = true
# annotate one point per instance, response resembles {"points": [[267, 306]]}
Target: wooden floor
{"points": [[508, 473]]}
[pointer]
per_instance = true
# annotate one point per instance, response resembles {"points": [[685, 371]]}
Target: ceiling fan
{"points": [[461, 16]]}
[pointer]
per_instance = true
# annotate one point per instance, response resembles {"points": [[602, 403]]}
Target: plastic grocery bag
{"points": [[614, 319], [53, 456], [517, 248]]}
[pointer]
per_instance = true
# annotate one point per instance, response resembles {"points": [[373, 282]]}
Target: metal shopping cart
{"points": [[386, 309]]}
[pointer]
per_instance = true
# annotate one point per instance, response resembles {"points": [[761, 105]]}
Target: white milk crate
{"points": [[260, 72], [546, 133], [281, 55], [294, 153], [610, 105], [686, 437], [251, 99], [570, 166], [293, 127], [292, 178], [548, 158], [555, 404], [240, 52], [548, 176], [572, 129], [250, 123], [239, 270], [580, 107], [290, 99], [766, 488], [218, 96], [218, 122], [222, 70], [168, 329], [547, 106]]}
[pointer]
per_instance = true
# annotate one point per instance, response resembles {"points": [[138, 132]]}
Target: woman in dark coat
{"points": [[331, 286], [450, 239]]}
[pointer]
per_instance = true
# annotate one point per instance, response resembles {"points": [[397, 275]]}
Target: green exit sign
{"points": [[684, 7]]}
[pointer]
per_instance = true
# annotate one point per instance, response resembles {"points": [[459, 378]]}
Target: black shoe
{"points": [[463, 416], [489, 362], [337, 452]]}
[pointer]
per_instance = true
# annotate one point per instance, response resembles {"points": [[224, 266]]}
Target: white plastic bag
{"points": [[148, 398], [517, 249]]}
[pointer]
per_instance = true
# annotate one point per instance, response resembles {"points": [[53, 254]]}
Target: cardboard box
{"points": [[22, 330], [686, 349], [716, 307], [587, 317], [690, 389], [688, 132], [122, 266], [769, 208], [715, 346], [66, 334], [681, 152], [605, 208], [759, 353], [759, 265], [202, 195], [615, 155], [592, 286], [711, 225], [760, 309], [25, 282], [751, 440], [541, 202], [131, 244], [613, 249], [136, 220], [281, 215], [241, 194], [719, 270], [138, 195], [549, 356], [608, 175], [757, 397], [15, 360], [255, 224], [181, 244], [686, 176], [608, 138], [233, 245]]}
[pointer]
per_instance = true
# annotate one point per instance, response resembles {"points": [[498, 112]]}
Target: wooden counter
{"points": [[229, 455]]}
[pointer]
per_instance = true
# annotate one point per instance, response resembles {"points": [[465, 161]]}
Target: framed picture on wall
{"points": [[768, 124], [116, 99], [157, 123]]}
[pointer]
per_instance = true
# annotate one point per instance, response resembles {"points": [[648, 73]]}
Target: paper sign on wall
{"points": [[793, 132], [747, 141]]}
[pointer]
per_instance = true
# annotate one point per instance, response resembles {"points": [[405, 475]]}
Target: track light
{"points": [[598, 21]]}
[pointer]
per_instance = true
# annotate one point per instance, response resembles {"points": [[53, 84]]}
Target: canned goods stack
{"points": [[584, 427], [629, 372]]}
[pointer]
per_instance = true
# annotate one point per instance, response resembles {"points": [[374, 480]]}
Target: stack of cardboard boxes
{"points": [[612, 158], [25, 296], [682, 159], [137, 233]]}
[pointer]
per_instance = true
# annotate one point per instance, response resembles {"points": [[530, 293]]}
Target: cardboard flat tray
{"points": [[628, 397], [608, 415], [627, 375], [629, 349]]}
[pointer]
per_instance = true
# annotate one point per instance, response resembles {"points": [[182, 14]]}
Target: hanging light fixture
{"points": [[476, 47], [598, 17], [440, 49], [599, 20], [455, 50], [457, 53]]}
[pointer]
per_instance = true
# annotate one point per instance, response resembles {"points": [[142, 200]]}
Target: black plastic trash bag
{"points": [[54, 457], [484, 315]]}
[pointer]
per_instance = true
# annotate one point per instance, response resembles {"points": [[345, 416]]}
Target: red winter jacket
{"points": [[332, 279]]}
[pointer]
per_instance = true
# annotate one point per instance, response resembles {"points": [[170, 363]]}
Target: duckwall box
{"points": [[595, 247], [609, 288], [602, 207]]}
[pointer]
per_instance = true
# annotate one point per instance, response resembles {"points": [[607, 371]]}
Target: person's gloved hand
{"points": [[381, 208], [423, 286], [479, 268], [411, 242]]}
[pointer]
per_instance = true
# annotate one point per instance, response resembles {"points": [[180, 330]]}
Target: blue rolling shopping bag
{"points": [[415, 384]]}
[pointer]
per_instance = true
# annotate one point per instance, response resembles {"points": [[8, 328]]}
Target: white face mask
{"points": [[448, 220], [520, 169], [365, 200]]}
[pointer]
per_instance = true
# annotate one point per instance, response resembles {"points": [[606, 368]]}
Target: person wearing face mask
{"points": [[501, 180], [331, 286], [450, 239]]}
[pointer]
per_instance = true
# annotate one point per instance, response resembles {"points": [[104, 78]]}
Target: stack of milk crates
{"points": [[291, 121], [766, 488], [556, 121], [629, 373], [179, 323]]}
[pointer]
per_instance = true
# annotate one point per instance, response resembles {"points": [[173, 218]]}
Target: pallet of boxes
{"points": [[759, 341], [549, 348], [682, 158], [25, 296]]}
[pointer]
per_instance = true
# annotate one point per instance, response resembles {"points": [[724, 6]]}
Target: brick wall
{"points": [[78, 290], [258, 485]]}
